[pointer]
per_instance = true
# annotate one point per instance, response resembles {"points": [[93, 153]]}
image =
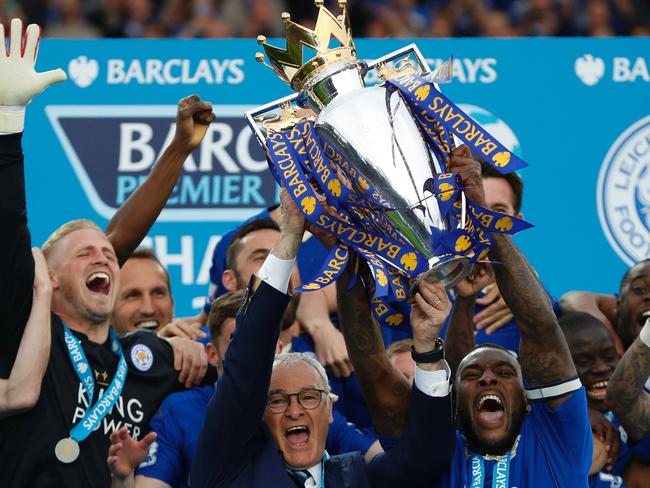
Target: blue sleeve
{"points": [[344, 436], [425, 450], [567, 432], [165, 459]]}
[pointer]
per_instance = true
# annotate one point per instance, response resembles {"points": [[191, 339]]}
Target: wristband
{"points": [[555, 390], [12, 119], [438, 353], [644, 335]]}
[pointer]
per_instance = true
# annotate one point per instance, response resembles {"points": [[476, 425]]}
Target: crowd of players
{"points": [[103, 385], [371, 18]]}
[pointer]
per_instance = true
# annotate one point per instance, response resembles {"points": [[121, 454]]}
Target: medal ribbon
{"points": [[95, 413], [434, 110], [500, 472]]}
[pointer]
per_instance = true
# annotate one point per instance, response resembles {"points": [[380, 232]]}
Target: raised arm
{"points": [[314, 317], [459, 339], [138, 213], [235, 412], [19, 83], [385, 388], [625, 390], [545, 356], [21, 391]]}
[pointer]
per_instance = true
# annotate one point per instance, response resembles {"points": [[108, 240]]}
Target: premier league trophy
{"points": [[368, 164]]}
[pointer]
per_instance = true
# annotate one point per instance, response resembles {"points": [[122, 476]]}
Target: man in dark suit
{"points": [[266, 425]]}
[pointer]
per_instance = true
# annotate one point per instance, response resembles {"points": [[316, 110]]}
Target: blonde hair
{"points": [[64, 230]]}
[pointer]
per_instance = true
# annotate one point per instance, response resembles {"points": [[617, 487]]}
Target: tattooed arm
{"points": [[625, 392], [459, 340], [545, 356], [385, 388]]}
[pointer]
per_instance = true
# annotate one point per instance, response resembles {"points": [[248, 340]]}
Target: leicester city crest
{"points": [[624, 193]]}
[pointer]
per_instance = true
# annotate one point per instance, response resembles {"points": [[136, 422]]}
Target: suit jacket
{"points": [[235, 448]]}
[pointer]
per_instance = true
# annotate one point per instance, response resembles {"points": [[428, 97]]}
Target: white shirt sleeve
{"points": [[276, 272], [433, 383]]}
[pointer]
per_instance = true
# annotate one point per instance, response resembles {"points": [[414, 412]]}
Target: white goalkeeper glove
{"points": [[19, 82]]}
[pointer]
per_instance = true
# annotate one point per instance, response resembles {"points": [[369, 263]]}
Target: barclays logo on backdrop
{"points": [[623, 193], [225, 179], [591, 69], [84, 71]]}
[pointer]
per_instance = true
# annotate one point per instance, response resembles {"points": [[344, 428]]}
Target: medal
{"points": [[66, 450]]}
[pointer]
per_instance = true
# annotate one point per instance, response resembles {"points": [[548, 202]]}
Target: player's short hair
{"points": [[63, 231], [579, 322], [150, 254], [398, 347], [223, 308], [235, 245], [626, 276], [513, 179]]}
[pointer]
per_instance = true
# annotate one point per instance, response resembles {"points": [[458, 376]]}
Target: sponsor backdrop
{"points": [[577, 110]]}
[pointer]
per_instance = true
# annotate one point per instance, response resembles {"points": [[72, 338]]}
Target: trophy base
{"points": [[448, 270]]}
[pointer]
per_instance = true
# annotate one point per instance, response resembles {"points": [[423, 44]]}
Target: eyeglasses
{"points": [[309, 399]]}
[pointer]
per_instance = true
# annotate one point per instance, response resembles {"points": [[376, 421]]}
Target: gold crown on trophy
{"points": [[288, 63]]}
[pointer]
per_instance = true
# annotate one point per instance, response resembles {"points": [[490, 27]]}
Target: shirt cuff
{"points": [[433, 383], [12, 119], [276, 272]]}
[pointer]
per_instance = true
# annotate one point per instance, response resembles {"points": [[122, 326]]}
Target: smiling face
{"points": [[299, 433], [491, 402], [85, 276], [144, 299], [634, 302], [594, 355]]}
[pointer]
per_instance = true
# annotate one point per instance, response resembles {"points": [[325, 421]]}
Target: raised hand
{"points": [[428, 314], [496, 312], [19, 82], [192, 121], [480, 276], [125, 453], [469, 170]]}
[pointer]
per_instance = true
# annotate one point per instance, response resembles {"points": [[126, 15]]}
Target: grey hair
{"points": [[289, 358]]}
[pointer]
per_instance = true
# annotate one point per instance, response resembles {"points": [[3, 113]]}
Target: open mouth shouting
{"points": [[297, 435], [490, 411], [99, 282]]}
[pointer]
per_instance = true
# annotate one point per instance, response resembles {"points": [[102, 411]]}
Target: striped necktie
{"points": [[299, 476]]}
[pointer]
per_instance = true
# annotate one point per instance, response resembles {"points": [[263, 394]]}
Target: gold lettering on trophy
{"points": [[435, 102], [380, 308], [486, 220], [409, 82], [288, 167]]}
